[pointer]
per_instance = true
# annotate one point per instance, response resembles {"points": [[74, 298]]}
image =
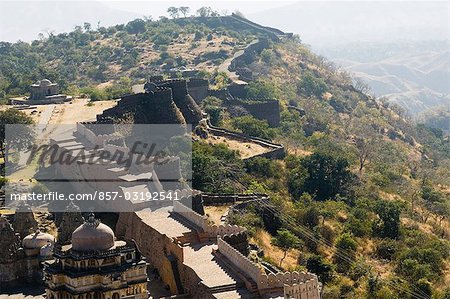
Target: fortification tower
{"points": [[24, 221], [71, 219]]}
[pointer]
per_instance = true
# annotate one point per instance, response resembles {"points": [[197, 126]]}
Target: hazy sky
{"points": [[158, 8], [318, 23]]}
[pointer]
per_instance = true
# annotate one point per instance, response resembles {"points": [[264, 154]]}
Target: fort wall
{"points": [[157, 248], [207, 231], [290, 282], [264, 109], [156, 107], [198, 89], [249, 54], [224, 199], [183, 100], [277, 150]]}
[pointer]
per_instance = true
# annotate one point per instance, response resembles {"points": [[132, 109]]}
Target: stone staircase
{"points": [[224, 288], [245, 281]]}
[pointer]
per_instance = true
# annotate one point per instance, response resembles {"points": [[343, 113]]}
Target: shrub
{"points": [[310, 85], [386, 249], [262, 167], [135, 26], [262, 89], [345, 247], [322, 175], [253, 127], [388, 224], [317, 264]]}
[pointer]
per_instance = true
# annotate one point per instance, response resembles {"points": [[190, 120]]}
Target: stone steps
{"points": [[223, 288], [251, 285]]}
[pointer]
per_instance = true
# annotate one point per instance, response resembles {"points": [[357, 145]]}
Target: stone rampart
{"points": [[276, 150], [220, 93], [240, 261], [224, 199], [272, 32], [290, 282], [265, 109], [150, 241], [249, 55], [306, 290], [198, 89], [208, 231], [156, 107]]}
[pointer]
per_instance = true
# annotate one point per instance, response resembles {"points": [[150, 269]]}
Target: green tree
{"points": [[253, 127], [267, 56], [136, 26], [321, 175], [184, 10], [345, 252], [311, 85], [87, 26], [215, 168], [317, 264], [388, 223], [174, 12], [23, 134], [286, 241], [212, 106], [206, 12], [262, 89]]}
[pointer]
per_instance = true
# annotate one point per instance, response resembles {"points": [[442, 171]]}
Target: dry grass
{"points": [[77, 111], [245, 149], [263, 239], [215, 213]]}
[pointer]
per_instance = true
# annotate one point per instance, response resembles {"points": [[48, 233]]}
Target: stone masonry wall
{"points": [[291, 282], [277, 151], [210, 230]]}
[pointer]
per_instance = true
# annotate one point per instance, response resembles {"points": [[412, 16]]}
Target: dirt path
{"points": [[78, 110], [226, 64]]}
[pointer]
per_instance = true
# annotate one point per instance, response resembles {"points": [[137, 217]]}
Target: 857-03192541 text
{"points": [[96, 196]]}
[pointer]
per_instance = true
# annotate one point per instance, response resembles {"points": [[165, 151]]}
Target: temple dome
{"points": [[46, 251], [45, 82], [37, 240], [93, 236]]}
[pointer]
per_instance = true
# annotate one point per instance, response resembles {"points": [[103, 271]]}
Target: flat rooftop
{"points": [[165, 223]]}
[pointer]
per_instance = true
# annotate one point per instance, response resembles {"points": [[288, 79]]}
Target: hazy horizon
{"points": [[319, 23]]}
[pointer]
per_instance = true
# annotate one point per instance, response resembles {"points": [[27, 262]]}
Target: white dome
{"points": [[93, 236], [46, 251], [45, 82], [37, 240]]}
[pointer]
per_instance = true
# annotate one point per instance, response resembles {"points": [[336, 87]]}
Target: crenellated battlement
{"points": [[208, 230], [301, 284]]}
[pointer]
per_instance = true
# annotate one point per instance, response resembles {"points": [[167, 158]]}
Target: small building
{"points": [[46, 92], [95, 265], [43, 89]]}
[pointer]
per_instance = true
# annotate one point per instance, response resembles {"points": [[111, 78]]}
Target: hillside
{"points": [[366, 192], [412, 75]]}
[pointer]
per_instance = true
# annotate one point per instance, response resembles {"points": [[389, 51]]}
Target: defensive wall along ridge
{"points": [[182, 233]]}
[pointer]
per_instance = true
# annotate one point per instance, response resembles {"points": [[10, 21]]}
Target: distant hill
{"points": [[413, 75], [58, 16]]}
